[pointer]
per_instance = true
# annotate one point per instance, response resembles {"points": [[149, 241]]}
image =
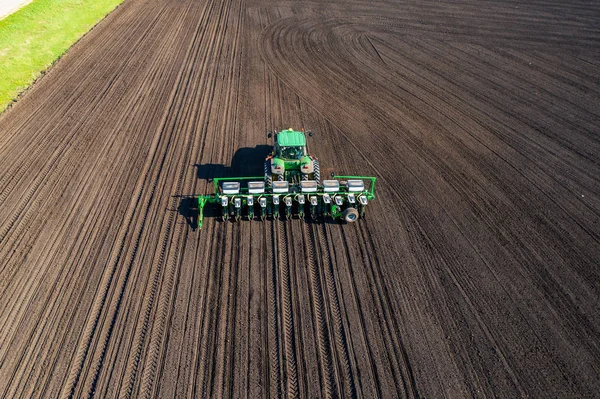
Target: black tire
{"points": [[316, 171], [280, 178], [268, 176], [304, 176], [350, 215]]}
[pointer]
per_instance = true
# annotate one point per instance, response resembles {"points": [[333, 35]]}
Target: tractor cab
{"points": [[290, 145], [290, 160]]}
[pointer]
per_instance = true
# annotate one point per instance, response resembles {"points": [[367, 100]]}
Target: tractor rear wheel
{"points": [[268, 176], [350, 215], [316, 172]]}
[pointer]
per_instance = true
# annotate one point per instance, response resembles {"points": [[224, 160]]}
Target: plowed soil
{"points": [[475, 273]]}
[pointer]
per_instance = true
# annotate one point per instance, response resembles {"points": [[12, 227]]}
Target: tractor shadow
{"points": [[247, 161]]}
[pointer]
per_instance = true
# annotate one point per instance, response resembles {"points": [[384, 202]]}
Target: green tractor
{"points": [[290, 161], [291, 186]]}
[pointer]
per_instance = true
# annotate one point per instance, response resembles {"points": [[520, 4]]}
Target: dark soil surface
{"points": [[475, 273]]}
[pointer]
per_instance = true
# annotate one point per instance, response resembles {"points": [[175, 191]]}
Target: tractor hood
{"points": [[291, 138]]}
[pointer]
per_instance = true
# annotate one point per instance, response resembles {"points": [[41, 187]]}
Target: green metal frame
{"points": [[336, 213]]}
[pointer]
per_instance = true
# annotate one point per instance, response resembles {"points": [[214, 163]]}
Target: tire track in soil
{"points": [[340, 339], [374, 376], [273, 329], [407, 379], [207, 366], [222, 360], [339, 330], [201, 341], [208, 323], [328, 380], [230, 122], [290, 362]]}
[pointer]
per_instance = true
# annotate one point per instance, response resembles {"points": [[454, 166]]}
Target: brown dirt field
{"points": [[475, 274]]}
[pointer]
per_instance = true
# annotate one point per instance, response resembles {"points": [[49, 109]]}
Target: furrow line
{"points": [[275, 380], [209, 344], [291, 366], [204, 263], [364, 335], [325, 358], [391, 323], [339, 331]]}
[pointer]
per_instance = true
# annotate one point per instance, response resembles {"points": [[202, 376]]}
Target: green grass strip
{"points": [[37, 35]]}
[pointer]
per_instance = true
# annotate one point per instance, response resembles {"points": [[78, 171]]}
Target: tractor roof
{"points": [[291, 138]]}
